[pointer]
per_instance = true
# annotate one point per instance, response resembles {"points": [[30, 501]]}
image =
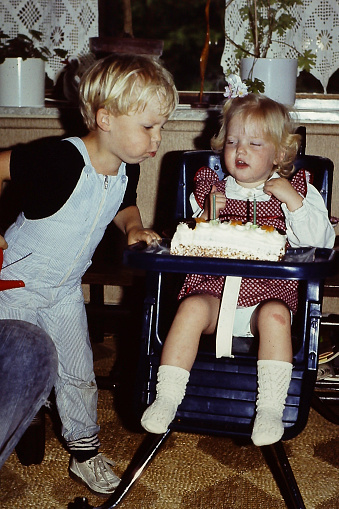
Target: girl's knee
{"points": [[204, 308], [275, 311], [194, 303]]}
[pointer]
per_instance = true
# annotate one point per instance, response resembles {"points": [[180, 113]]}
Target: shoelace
{"points": [[100, 469]]}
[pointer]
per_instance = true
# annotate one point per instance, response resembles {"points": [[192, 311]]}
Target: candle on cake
{"points": [[254, 210]]}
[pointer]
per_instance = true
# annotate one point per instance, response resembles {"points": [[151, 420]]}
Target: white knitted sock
{"points": [[170, 389], [274, 378]]}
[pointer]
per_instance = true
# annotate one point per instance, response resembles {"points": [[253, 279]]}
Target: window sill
{"points": [[308, 109]]}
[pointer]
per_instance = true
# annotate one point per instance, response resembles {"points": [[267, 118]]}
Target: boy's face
{"points": [[137, 136], [249, 154]]}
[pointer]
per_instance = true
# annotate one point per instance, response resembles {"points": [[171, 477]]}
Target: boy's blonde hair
{"points": [[123, 84], [275, 121]]}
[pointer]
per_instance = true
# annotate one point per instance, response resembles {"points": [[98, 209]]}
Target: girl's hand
{"points": [[144, 234], [283, 190], [220, 204]]}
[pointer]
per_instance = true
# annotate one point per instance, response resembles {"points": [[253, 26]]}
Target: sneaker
{"points": [[95, 473]]}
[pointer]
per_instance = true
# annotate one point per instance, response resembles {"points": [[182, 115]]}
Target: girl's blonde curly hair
{"points": [[274, 119]]}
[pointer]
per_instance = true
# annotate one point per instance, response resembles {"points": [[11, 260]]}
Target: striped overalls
{"points": [[61, 248]]}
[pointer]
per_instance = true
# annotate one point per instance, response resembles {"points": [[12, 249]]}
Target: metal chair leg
{"points": [[277, 460]]}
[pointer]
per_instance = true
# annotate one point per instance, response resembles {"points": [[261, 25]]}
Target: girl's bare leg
{"points": [[272, 320], [196, 315]]}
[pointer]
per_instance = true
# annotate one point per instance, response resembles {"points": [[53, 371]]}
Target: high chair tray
{"points": [[298, 263]]}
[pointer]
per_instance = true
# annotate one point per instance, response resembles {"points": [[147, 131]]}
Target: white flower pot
{"points": [[22, 82], [278, 74]]}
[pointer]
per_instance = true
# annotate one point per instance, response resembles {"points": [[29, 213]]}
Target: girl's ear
{"points": [[280, 156], [103, 119]]}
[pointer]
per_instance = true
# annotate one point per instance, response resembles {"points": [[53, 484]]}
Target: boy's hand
{"points": [[283, 190], [144, 234], [3, 243], [220, 204], [128, 221]]}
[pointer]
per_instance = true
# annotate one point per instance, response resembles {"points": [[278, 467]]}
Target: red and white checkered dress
{"points": [[252, 291]]}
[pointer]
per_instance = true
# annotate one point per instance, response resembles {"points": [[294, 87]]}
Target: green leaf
{"points": [[62, 53], [25, 47], [36, 35], [307, 60], [255, 86]]}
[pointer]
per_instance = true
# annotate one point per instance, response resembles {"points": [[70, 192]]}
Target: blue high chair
{"points": [[221, 393]]}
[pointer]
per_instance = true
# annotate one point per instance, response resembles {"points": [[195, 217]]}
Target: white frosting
{"points": [[226, 240]]}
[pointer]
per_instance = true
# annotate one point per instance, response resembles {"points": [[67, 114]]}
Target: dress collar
{"points": [[236, 192]]}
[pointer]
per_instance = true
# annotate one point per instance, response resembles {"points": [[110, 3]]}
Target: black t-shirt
{"points": [[46, 171]]}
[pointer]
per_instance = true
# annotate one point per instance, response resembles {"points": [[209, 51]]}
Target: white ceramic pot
{"points": [[22, 82], [278, 74]]}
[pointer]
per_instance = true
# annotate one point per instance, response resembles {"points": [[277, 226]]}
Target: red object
{"points": [[8, 284]]}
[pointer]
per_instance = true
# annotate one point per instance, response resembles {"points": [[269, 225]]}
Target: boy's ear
{"points": [[103, 119]]}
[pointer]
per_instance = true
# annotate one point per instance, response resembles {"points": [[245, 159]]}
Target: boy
{"points": [[71, 190]]}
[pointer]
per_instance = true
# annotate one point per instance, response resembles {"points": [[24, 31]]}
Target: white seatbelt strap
{"points": [[226, 316]]}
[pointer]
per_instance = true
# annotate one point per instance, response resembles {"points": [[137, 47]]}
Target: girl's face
{"points": [[249, 154]]}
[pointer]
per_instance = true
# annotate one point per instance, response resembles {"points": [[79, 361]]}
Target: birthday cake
{"points": [[229, 239]]}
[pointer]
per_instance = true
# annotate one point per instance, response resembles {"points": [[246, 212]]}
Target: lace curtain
{"points": [[317, 29], [65, 24]]}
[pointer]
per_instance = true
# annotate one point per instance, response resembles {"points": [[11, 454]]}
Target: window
{"points": [[182, 26]]}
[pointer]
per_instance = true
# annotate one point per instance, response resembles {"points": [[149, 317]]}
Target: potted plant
{"points": [[266, 21], [22, 69]]}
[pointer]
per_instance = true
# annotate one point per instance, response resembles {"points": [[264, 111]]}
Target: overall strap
{"points": [[81, 147]]}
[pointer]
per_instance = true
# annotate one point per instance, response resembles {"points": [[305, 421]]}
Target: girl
{"points": [[259, 148]]}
